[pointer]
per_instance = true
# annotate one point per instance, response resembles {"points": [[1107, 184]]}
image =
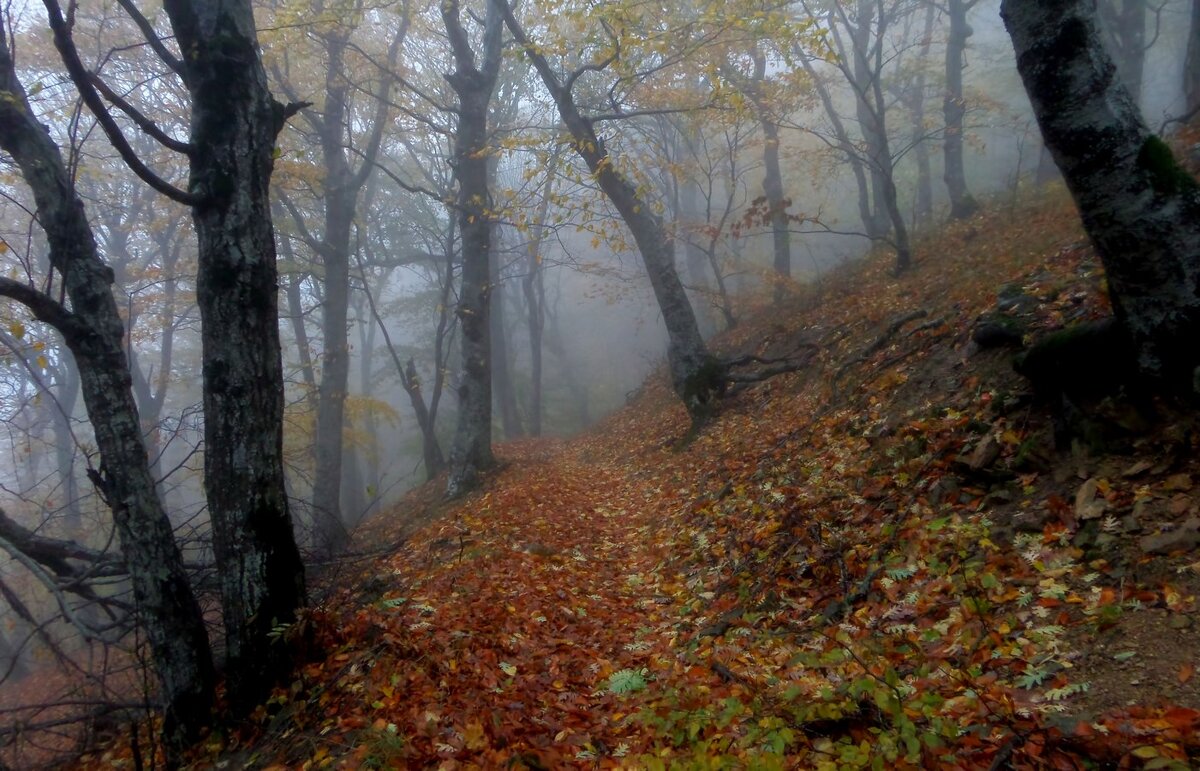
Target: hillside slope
{"points": [[879, 560]]}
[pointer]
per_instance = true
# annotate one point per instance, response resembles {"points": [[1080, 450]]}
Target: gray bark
{"points": [[234, 122], [1140, 209], [471, 451], [93, 331], [954, 107], [1191, 67]]}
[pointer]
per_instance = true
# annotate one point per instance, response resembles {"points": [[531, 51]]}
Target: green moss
{"points": [[1166, 175]]}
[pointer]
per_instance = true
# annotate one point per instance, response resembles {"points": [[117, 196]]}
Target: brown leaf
{"points": [[1185, 673]]}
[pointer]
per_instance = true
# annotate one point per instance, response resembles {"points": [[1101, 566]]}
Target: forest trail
{"points": [[877, 561], [534, 610]]}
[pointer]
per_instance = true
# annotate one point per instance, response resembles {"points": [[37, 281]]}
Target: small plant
{"points": [[627, 681]]}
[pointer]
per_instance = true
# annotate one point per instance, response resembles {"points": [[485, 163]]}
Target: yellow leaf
{"points": [[3, 247], [17, 329], [475, 737], [42, 363]]}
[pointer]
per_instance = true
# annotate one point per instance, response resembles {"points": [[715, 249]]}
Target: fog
{"points": [[699, 160]]}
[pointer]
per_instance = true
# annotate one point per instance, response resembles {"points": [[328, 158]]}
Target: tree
{"points": [[340, 188], [471, 451], [954, 107], [1140, 209], [697, 377], [1191, 67], [230, 152], [93, 331]]}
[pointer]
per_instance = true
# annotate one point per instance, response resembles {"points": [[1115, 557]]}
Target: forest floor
{"points": [[879, 560]]}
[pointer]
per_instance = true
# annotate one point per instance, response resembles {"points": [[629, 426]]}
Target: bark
{"points": [[954, 107], [1140, 210], [471, 451], [697, 377], [1191, 67], [234, 122], [863, 76], [93, 331]]}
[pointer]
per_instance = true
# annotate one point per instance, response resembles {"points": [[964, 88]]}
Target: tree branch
{"points": [[83, 81]]}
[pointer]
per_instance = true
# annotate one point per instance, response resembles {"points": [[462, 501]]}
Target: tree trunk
{"points": [[870, 120], [954, 107], [502, 379], [66, 396], [233, 128], [1140, 210], [696, 376], [93, 331], [471, 451], [1191, 67], [534, 287]]}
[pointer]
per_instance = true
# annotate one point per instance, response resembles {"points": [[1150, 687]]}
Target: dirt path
{"points": [[514, 626]]}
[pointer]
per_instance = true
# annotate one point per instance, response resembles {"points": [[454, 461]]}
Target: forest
{"points": [[713, 384]]}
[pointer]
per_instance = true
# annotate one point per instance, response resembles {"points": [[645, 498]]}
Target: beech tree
{"points": [[697, 377], [1141, 210], [233, 124], [92, 329]]}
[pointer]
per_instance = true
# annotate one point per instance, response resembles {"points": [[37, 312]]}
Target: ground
{"points": [[879, 560]]}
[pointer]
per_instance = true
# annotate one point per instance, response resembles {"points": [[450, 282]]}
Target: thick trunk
{"points": [[471, 451], [870, 120], [696, 376], [954, 107], [233, 128], [93, 331], [1140, 210]]}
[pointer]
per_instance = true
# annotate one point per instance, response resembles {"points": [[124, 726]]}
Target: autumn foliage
{"points": [[879, 561]]}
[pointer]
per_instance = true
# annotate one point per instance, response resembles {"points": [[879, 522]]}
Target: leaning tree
{"points": [[1140, 208]]}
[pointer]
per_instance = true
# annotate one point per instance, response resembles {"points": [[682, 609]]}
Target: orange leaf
{"points": [[1185, 673]]}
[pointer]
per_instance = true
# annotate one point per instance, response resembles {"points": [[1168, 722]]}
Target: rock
{"points": [[1013, 299], [995, 331], [985, 453], [1184, 538], [1087, 504], [1179, 621]]}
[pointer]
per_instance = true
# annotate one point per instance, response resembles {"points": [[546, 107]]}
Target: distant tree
{"points": [[1191, 67], [954, 107], [696, 375], [471, 451], [1140, 209]]}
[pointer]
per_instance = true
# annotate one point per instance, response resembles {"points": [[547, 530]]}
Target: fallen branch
{"points": [[879, 342]]}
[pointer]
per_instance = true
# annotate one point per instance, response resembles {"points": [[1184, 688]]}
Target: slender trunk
{"points": [[534, 287], [93, 331], [773, 188], [1191, 67], [502, 381], [845, 145], [66, 396], [471, 451], [295, 305], [234, 124], [696, 376], [954, 107], [1140, 209], [924, 203], [870, 120]]}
